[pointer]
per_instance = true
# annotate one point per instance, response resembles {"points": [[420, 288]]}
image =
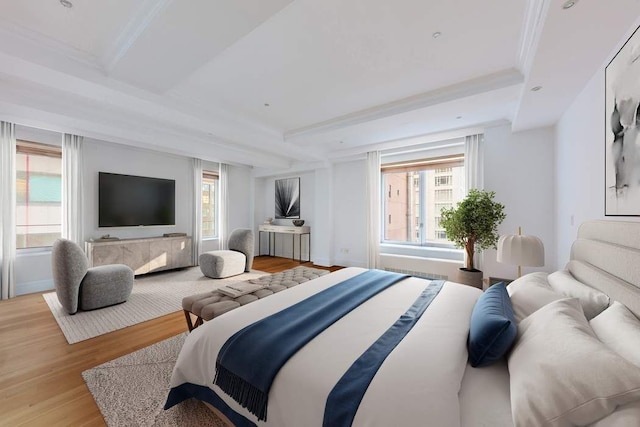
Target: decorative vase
{"points": [[298, 222], [470, 277]]}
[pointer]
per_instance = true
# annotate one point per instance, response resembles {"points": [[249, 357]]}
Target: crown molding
{"points": [[414, 141], [24, 40], [487, 83], [137, 24], [535, 14]]}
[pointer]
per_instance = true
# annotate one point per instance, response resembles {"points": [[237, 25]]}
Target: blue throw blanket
{"points": [[345, 397], [249, 361]]}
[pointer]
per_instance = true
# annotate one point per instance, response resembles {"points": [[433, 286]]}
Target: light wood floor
{"points": [[40, 373]]}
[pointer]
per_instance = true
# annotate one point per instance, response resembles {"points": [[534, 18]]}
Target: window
{"points": [[209, 204], [441, 235], [424, 188], [38, 194], [443, 180], [444, 195]]}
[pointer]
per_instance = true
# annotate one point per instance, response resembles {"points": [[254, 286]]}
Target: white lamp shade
{"points": [[522, 250]]}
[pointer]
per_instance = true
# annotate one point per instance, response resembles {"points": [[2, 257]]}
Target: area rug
{"points": [[153, 296], [131, 390]]}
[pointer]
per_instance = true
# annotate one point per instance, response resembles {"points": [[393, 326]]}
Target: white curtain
{"points": [[197, 210], [223, 206], [373, 209], [474, 173], [474, 162], [8, 207], [72, 215]]}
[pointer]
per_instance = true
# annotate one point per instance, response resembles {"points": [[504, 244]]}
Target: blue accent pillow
{"points": [[493, 327]]}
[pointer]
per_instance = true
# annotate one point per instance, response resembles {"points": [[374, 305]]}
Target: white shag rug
{"points": [[153, 296], [132, 390]]}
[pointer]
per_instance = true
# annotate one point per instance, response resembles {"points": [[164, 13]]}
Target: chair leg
{"points": [[187, 315], [199, 321]]}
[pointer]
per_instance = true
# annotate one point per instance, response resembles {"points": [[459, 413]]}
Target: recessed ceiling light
{"points": [[341, 142], [536, 88], [458, 117], [569, 4], [266, 104], [436, 34], [66, 3]]}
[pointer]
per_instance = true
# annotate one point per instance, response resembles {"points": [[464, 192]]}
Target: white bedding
{"points": [[485, 400], [418, 384]]}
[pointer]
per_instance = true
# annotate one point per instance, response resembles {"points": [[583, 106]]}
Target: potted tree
{"points": [[473, 224]]}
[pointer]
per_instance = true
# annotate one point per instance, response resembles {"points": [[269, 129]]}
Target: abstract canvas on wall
{"points": [[288, 198], [622, 140]]}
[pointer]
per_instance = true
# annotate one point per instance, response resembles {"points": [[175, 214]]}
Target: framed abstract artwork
{"points": [[622, 125], [287, 198]]}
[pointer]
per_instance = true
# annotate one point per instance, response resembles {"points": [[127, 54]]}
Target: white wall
{"points": [[240, 197], [322, 244], [580, 164], [265, 207], [519, 167], [33, 269], [99, 156], [350, 214]]}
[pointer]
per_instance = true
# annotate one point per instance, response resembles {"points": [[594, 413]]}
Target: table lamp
{"points": [[520, 250]]}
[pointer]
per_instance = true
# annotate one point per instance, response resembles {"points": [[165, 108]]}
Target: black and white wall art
{"points": [[288, 198], [622, 140]]}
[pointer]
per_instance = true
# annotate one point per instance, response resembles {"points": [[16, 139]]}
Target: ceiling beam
{"points": [[138, 22]]}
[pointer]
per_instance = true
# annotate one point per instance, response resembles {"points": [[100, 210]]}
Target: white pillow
{"points": [[625, 416], [531, 295], [619, 330], [538, 278], [561, 374], [592, 300]]}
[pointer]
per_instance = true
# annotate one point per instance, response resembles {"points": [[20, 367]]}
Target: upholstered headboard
{"points": [[606, 256]]}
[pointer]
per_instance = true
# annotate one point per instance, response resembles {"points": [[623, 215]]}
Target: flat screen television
{"points": [[133, 201]]}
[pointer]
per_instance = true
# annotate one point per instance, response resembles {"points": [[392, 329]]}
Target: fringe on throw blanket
{"points": [[243, 392]]}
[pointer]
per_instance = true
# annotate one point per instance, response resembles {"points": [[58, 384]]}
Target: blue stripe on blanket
{"points": [[250, 359], [345, 397]]}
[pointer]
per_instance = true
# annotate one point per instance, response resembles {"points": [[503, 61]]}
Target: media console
{"points": [[146, 255]]}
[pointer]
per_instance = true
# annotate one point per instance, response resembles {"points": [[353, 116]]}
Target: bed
{"points": [[427, 378]]}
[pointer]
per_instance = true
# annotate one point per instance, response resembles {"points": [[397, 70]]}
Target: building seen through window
{"points": [[415, 193], [209, 204], [38, 194]]}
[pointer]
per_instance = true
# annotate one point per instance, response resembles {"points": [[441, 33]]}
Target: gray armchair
{"points": [[82, 288], [236, 260]]}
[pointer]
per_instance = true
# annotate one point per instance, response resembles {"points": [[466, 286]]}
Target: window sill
{"points": [[433, 252], [209, 239], [33, 251]]}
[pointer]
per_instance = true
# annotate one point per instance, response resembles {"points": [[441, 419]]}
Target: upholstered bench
{"points": [[209, 305]]}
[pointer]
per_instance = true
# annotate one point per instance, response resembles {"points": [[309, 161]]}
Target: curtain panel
{"points": [[474, 162], [474, 173], [72, 212], [373, 209], [197, 210], [223, 206], [8, 207]]}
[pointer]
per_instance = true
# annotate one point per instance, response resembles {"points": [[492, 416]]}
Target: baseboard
{"points": [[323, 262], [345, 262], [34, 287]]}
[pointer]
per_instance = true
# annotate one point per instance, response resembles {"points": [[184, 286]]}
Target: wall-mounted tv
{"points": [[132, 201]]}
